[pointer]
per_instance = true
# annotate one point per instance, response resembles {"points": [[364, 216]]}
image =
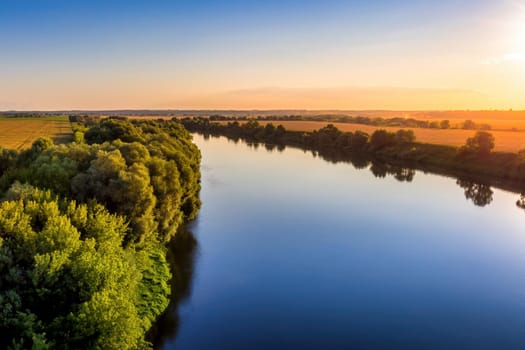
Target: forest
{"points": [[83, 233]]}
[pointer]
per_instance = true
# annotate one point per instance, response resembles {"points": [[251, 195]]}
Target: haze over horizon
{"points": [[290, 54]]}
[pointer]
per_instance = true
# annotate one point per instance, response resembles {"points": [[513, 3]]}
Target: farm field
{"points": [[506, 141], [19, 133]]}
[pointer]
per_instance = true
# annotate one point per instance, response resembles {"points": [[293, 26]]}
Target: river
{"points": [[291, 251]]}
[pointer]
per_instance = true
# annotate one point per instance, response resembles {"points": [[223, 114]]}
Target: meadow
{"points": [[19, 133]]}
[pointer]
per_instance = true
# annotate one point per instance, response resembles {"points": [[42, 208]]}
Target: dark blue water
{"points": [[295, 252]]}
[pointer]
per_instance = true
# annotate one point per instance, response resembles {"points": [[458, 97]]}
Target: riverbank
{"points": [[502, 169], [508, 140]]}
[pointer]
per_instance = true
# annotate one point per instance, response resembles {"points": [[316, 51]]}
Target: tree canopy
{"points": [[82, 233], [481, 144]]}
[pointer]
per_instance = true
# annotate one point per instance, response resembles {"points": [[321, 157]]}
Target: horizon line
{"points": [[251, 110]]}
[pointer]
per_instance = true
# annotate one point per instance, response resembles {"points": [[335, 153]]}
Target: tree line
{"points": [[467, 124], [83, 229], [476, 159]]}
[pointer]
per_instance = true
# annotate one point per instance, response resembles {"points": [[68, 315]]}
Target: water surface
{"points": [[295, 252]]}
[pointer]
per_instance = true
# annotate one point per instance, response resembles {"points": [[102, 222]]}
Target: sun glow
{"points": [[516, 46], [515, 56], [519, 54]]}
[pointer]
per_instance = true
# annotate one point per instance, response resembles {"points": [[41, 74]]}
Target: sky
{"points": [[247, 54]]}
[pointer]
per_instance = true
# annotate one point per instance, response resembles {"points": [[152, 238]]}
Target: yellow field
{"points": [[506, 141], [20, 133]]}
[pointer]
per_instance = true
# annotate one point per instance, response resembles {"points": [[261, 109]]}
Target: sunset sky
{"points": [[246, 54]]}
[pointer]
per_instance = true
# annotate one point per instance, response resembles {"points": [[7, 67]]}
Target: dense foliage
{"points": [[146, 171], [82, 233], [480, 144]]}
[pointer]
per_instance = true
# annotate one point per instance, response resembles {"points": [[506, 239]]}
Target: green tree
{"points": [[359, 140], [41, 144], [381, 139], [469, 125], [71, 254], [405, 136], [108, 280], [444, 124], [122, 189], [481, 144]]}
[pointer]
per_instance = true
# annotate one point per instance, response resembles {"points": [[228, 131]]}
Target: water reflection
{"points": [[270, 147], [358, 262], [181, 255], [254, 145], [382, 169], [480, 194], [520, 203], [379, 169], [404, 174]]}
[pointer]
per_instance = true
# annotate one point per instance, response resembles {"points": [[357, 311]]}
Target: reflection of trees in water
{"points": [[404, 174], [254, 145], [181, 254], [361, 161], [270, 147], [358, 160], [520, 203], [480, 194], [382, 169], [379, 169]]}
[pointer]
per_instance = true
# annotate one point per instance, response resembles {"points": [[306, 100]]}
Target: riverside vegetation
{"points": [[476, 160], [83, 233], [377, 121]]}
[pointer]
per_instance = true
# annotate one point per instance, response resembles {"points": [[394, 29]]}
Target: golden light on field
{"points": [[19, 134]]}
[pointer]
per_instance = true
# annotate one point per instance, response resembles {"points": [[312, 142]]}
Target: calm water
{"points": [[294, 252]]}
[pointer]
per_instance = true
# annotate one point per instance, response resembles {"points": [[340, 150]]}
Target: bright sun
{"points": [[518, 53], [521, 37]]}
